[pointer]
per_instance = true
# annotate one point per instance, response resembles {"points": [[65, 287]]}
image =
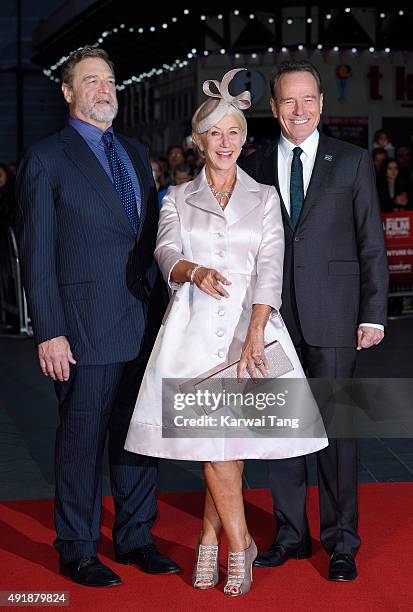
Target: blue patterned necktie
{"points": [[121, 180], [296, 186]]}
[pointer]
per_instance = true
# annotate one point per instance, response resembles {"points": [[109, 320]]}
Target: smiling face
{"points": [[222, 143], [92, 95], [297, 105]]}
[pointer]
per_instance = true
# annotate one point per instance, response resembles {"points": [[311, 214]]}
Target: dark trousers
{"points": [[95, 402], [337, 467]]}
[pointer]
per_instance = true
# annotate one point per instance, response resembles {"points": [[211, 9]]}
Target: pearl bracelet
{"points": [[193, 272]]}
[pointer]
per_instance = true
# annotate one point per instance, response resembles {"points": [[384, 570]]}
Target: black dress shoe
{"points": [[277, 555], [149, 560], [342, 567], [89, 571]]}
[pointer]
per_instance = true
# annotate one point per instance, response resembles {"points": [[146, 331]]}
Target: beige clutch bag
{"points": [[278, 364]]}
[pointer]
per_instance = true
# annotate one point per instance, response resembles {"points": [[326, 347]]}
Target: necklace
{"points": [[221, 195]]}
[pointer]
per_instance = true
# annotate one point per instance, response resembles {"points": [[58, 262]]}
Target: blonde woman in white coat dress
{"points": [[220, 247]]}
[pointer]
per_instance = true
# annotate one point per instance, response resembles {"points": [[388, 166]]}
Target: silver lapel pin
{"points": [[328, 157]]}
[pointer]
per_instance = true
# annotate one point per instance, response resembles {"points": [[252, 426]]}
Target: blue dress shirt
{"points": [[93, 137]]}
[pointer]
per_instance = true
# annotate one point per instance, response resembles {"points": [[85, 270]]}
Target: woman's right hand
{"points": [[210, 281], [401, 199]]}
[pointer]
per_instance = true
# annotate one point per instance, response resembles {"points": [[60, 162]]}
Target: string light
{"points": [[48, 72]]}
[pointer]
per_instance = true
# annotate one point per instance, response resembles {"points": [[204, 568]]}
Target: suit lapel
{"points": [[244, 198], [319, 177], [271, 170], [198, 194], [87, 163]]}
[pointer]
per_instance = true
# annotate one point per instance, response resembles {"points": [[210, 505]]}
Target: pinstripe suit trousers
{"points": [[99, 400]]}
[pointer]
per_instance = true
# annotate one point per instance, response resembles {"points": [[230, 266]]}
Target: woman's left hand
{"points": [[252, 356]]}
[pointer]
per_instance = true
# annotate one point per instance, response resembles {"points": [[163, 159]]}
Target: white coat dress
{"points": [[245, 243]]}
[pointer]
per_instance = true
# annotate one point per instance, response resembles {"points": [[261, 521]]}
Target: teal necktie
{"points": [[296, 186]]}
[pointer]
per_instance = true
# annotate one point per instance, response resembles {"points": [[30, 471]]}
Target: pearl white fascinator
{"points": [[212, 111]]}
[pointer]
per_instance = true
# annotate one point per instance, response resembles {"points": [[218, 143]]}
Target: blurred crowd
{"points": [[182, 162], [393, 167], [394, 172]]}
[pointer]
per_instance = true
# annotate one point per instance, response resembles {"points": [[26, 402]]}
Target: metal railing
{"points": [[17, 307]]}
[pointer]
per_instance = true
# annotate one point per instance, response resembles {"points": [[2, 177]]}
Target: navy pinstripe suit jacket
{"points": [[86, 275]]}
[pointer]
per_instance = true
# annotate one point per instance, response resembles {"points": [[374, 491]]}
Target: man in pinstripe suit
{"points": [[86, 225]]}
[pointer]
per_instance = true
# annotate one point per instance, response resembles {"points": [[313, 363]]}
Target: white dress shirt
{"points": [[285, 157], [307, 157]]}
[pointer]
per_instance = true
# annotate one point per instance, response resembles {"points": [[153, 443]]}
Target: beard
{"points": [[94, 112]]}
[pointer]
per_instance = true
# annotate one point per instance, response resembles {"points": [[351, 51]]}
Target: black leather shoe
{"points": [[89, 571], [277, 555], [342, 567], [149, 560]]}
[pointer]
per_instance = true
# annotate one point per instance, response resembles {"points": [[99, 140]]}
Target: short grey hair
{"points": [[209, 106]]}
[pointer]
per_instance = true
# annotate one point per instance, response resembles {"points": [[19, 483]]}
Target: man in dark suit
{"points": [[87, 223], [334, 299]]}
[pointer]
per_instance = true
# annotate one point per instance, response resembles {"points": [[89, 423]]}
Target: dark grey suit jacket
{"points": [[87, 276], [335, 266]]}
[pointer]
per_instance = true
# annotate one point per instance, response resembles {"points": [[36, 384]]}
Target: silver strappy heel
{"points": [[240, 571], [206, 571]]}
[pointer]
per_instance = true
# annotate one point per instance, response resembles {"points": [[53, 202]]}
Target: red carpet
{"points": [[29, 563]]}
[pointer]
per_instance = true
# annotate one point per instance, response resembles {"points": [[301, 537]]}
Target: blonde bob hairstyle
{"points": [[208, 108]]}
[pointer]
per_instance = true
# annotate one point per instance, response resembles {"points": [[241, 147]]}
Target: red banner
{"points": [[398, 231]]}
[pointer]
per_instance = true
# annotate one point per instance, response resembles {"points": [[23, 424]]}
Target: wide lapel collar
{"points": [[86, 161], [245, 197], [198, 194], [141, 175], [320, 175], [272, 170]]}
